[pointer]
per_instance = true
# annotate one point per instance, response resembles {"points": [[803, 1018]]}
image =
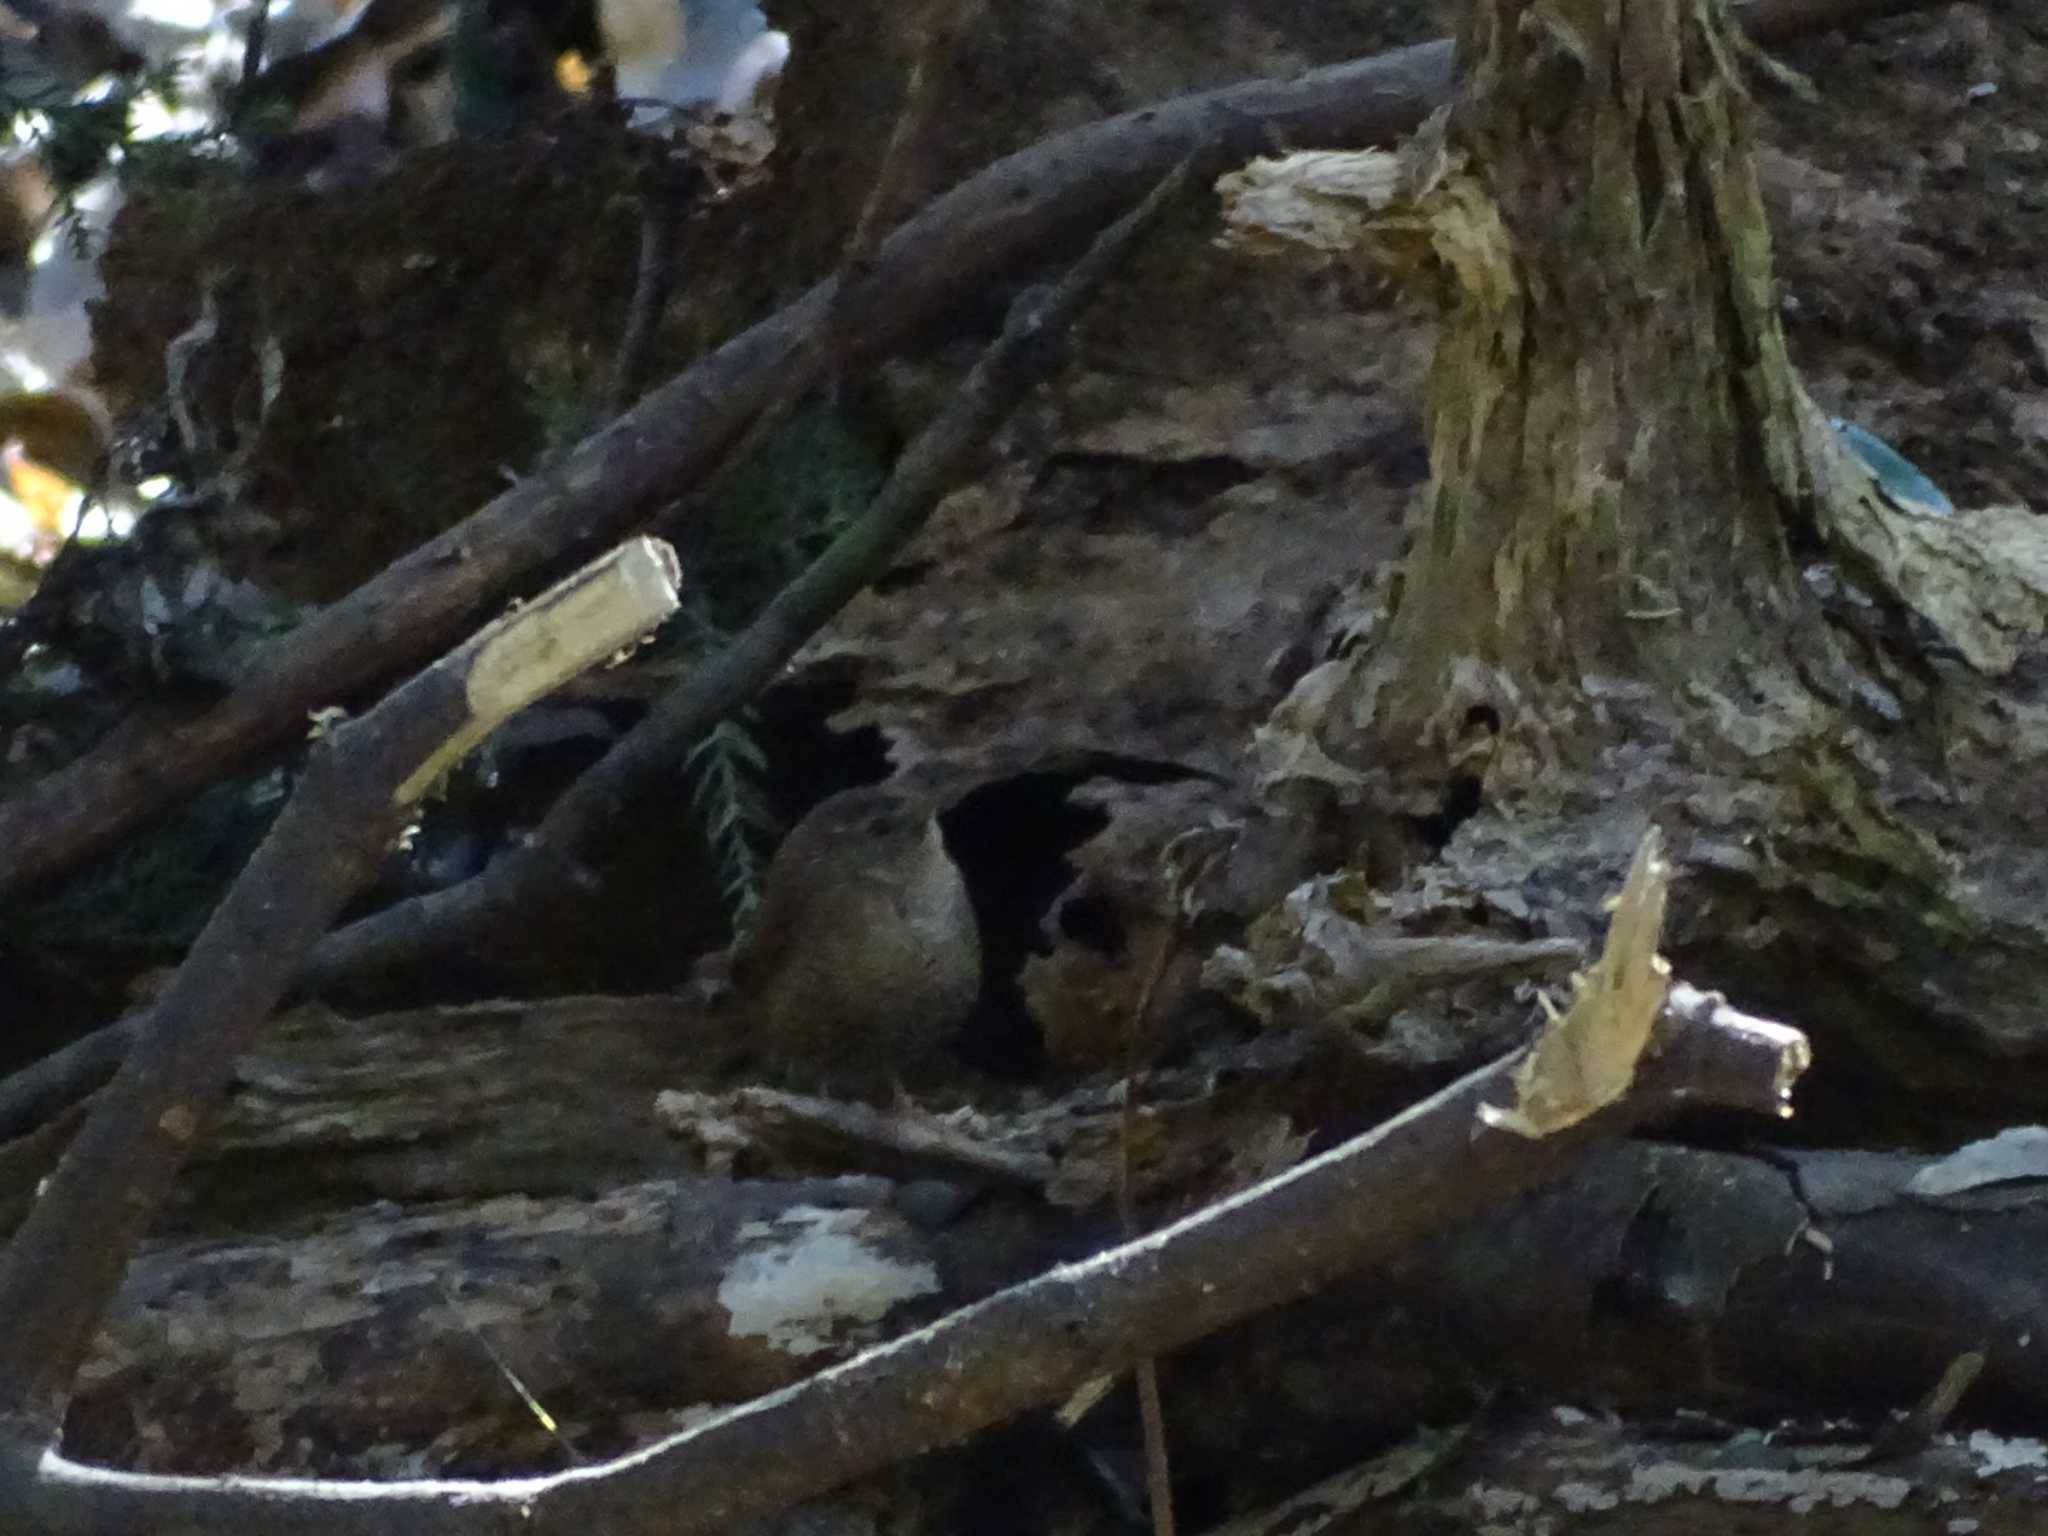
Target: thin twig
{"points": [[1915, 1431], [252, 52], [824, 348], [361, 781], [513, 1379], [1151, 1412], [920, 90], [897, 1143], [653, 280]]}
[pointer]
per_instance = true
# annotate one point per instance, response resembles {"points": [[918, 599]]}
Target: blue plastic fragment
{"points": [[1899, 476]]}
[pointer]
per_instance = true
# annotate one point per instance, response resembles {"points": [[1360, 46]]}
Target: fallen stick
{"points": [[905, 1143]]}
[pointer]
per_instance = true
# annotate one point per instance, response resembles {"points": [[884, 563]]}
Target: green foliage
{"points": [[78, 137], [727, 766], [561, 385], [82, 137], [493, 63], [183, 177], [810, 479]]}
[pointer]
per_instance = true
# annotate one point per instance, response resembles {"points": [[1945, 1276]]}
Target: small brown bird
{"points": [[863, 957]]}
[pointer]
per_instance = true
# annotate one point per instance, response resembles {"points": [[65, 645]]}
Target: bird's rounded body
{"points": [[864, 957]]}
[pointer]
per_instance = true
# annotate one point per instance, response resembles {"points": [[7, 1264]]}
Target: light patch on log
{"points": [[2001, 1453], [809, 1269], [1799, 1490]]}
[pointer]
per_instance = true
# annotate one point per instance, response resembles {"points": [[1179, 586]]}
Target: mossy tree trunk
{"points": [[1614, 428], [1649, 584]]}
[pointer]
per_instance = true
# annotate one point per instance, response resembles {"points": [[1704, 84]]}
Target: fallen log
{"points": [[1432, 1166]]}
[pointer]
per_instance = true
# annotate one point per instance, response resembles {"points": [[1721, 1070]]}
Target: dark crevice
{"points": [[1011, 840], [1649, 180], [1106, 493], [807, 759], [1463, 793], [1088, 920]]}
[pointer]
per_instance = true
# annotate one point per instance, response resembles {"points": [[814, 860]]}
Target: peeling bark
{"points": [[1594, 1477]]}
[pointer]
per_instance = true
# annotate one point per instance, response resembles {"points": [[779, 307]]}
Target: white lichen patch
{"points": [[1586, 1498], [1797, 1490], [799, 1280], [1999, 1453]]}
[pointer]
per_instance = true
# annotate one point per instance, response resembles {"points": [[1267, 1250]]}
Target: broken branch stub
{"points": [[1585, 1058]]}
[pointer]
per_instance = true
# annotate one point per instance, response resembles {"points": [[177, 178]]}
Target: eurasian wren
{"points": [[863, 957]]}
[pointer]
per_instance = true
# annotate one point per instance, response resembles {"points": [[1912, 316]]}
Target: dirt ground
{"points": [[1912, 213]]}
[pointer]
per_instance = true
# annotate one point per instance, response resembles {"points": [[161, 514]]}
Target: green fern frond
{"points": [[727, 767]]}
